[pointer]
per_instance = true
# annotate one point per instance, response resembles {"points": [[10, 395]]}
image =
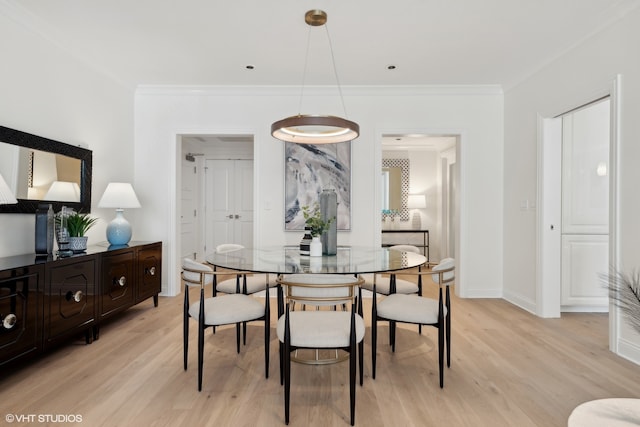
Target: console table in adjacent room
{"points": [[418, 238]]}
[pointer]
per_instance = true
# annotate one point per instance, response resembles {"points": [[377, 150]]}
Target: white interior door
{"points": [[229, 202], [188, 210], [585, 207]]}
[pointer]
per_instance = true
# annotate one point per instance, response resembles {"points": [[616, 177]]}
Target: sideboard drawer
{"points": [[20, 312], [70, 298], [118, 283]]}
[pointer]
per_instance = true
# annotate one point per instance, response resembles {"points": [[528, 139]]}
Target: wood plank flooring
{"points": [[508, 368]]}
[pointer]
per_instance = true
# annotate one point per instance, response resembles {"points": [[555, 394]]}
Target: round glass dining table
{"points": [[287, 260]]}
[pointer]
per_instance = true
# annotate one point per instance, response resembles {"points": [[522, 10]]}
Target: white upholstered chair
{"points": [[386, 285], [415, 309], [319, 329], [243, 283], [218, 311]]}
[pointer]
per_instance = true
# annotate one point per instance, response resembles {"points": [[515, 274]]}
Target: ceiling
{"points": [[260, 42], [211, 42]]}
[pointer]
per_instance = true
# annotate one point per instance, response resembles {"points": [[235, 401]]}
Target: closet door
{"points": [[229, 202]]}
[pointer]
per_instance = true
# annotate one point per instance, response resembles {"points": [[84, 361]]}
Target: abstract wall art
{"points": [[308, 170]]}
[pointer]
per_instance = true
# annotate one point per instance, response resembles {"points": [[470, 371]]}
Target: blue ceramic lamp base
{"points": [[119, 230]]}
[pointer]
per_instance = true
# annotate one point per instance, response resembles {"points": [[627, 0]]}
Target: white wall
{"points": [[47, 92], [475, 113], [580, 75]]}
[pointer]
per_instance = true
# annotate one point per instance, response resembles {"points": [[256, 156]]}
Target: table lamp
{"points": [[6, 195], [119, 195], [63, 191], [416, 201]]}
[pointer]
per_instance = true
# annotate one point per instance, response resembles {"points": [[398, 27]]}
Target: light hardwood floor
{"points": [[508, 368]]}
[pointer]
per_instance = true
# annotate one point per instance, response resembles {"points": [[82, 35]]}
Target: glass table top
{"points": [[287, 260]]}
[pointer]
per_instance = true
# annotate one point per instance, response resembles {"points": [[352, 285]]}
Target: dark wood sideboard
{"points": [[45, 301]]}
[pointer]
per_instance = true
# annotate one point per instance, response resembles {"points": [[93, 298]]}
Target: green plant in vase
{"points": [[313, 220], [77, 225]]}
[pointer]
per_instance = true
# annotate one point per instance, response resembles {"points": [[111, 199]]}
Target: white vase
{"points": [[315, 247]]}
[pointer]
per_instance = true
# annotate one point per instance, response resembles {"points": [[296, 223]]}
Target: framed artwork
{"points": [[311, 168]]}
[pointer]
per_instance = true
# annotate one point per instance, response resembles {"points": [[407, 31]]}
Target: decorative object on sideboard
{"points": [[77, 225], [62, 232], [328, 213], [44, 229], [6, 195], [415, 202], [316, 129], [119, 195]]}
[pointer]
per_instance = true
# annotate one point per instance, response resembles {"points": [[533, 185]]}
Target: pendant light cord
{"points": [[335, 71], [304, 71]]}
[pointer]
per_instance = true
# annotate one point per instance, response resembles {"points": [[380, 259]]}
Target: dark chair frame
{"points": [[286, 348], [443, 323], [202, 326]]}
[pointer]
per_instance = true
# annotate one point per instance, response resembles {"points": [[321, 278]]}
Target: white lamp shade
{"points": [[119, 195], [63, 191], [6, 195], [416, 201]]}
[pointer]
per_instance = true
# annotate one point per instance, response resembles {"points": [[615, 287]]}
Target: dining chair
{"points": [[389, 284], [325, 328], [419, 310], [243, 283], [219, 311]]}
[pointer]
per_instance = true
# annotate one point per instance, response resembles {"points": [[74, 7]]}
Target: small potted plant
{"points": [[317, 226], [77, 225]]}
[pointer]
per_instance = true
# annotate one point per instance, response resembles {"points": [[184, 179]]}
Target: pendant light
{"points": [[316, 129]]}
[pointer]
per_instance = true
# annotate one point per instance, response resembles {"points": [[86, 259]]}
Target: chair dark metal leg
{"points": [[361, 360], [185, 328], [352, 369], [238, 337], [200, 339], [392, 335], [287, 367], [244, 333], [267, 333], [441, 341], [448, 328], [374, 337]]}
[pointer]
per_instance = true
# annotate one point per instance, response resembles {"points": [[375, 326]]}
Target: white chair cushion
{"points": [[410, 308], [445, 264], [405, 248], [320, 329], [228, 309], [198, 266], [228, 247], [255, 283], [383, 285]]}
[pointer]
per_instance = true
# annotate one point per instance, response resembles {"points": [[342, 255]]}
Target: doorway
{"points": [[577, 205], [217, 175], [432, 174]]}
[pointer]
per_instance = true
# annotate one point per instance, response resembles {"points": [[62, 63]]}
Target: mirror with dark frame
{"points": [[41, 170]]}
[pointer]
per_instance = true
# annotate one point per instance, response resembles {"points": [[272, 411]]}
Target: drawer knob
{"points": [[122, 281], [9, 321], [151, 271], [77, 296]]}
